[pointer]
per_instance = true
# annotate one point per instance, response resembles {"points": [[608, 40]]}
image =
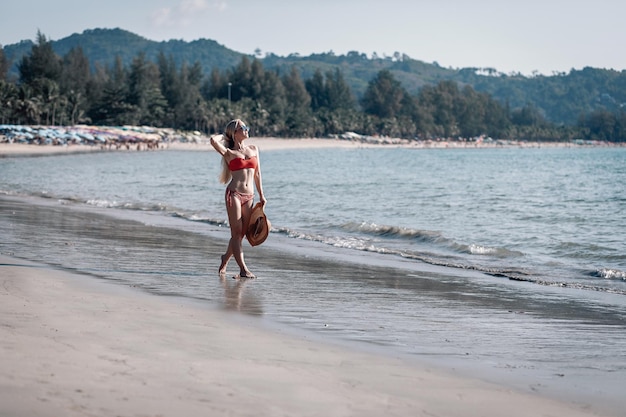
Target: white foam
{"points": [[608, 273], [481, 250]]}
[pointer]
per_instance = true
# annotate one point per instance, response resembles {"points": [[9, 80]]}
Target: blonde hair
{"points": [[228, 140]]}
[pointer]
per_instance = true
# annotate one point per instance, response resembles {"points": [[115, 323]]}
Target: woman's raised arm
{"points": [[216, 141]]}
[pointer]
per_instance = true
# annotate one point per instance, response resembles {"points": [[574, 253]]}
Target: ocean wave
{"points": [[574, 285], [510, 273], [430, 258], [427, 236], [394, 232], [481, 250], [125, 205], [611, 274], [104, 203], [95, 202], [196, 218], [475, 249]]}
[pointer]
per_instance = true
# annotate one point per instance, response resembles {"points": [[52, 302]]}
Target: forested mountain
{"points": [[560, 98], [113, 76], [102, 46]]}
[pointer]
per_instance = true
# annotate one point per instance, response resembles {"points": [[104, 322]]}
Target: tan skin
{"points": [[243, 181]]}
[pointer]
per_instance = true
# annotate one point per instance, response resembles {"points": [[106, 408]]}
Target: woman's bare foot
{"points": [[246, 274]]}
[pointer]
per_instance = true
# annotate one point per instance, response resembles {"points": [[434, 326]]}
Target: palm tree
{"points": [[27, 108], [8, 97]]}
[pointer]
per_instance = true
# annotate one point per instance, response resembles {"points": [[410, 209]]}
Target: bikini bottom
{"points": [[243, 198]]}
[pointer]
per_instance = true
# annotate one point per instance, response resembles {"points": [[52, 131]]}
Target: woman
{"points": [[242, 171]]}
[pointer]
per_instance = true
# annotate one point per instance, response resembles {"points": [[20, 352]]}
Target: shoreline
{"points": [[269, 144], [69, 348]]}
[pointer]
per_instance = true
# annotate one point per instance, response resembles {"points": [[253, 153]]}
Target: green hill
{"points": [[101, 46], [561, 98]]}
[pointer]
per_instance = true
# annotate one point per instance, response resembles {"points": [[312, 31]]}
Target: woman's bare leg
{"points": [[225, 259], [238, 216]]}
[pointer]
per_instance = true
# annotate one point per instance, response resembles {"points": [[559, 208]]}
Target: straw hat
{"points": [[259, 227]]}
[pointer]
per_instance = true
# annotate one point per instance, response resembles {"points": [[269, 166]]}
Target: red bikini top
{"points": [[240, 163]]}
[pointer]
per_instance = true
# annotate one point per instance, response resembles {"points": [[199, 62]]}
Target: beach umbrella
{"points": [[72, 136]]}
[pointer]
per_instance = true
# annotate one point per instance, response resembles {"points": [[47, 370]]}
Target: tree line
{"points": [[54, 90]]}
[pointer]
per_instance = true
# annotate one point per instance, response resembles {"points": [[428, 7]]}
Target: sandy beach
{"points": [[75, 346], [268, 143], [18, 149]]}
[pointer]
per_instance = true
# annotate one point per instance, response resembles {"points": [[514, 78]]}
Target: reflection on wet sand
{"points": [[235, 298]]}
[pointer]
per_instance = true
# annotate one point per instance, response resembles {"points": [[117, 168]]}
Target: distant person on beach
{"points": [[241, 170]]}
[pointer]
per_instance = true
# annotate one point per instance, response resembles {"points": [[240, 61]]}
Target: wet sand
{"points": [[81, 347]]}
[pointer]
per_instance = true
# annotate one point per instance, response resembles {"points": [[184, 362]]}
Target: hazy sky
{"points": [[510, 36]]}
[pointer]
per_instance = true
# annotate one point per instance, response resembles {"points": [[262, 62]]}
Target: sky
{"points": [[529, 37]]}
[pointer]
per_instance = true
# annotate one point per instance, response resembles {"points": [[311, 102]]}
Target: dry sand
{"points": [[266, 143], [71, 345], [18, 149]]}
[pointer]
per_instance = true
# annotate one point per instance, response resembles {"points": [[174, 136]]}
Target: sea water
{"points": [[511, 257], [551, 216]]}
